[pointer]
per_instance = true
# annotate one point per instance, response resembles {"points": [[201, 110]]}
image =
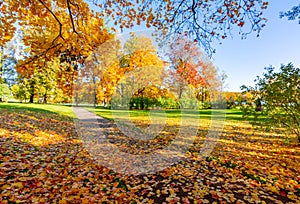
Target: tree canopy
{"points": [[204, 21]]}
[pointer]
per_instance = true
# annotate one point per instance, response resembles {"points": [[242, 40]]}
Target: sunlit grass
{"points": [[234, 114], [61, 110]]}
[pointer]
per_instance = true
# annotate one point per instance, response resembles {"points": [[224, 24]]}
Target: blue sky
{"points": [[278, 43], [243, 60]]}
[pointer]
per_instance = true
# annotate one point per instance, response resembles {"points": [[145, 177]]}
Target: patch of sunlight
{"points": [[39, 138], [4, 132]]}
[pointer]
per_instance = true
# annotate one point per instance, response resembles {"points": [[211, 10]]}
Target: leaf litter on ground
{"points": [[42, 160]]}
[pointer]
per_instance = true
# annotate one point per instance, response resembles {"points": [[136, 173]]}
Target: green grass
{"points": [[46, 108], [233, 114], [173, 114]]}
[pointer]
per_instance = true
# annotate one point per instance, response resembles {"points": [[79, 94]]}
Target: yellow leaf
{"points": [[19, 184], [85, 201], [7, 37], [63, 201]]}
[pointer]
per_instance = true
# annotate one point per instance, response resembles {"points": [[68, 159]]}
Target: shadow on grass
{"points": [[62, 110]]}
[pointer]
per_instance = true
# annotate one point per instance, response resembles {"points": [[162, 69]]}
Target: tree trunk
{"points": [[31, 92], [31, 98], [105, 103], [45, 98], [76, 99], [142, 104]]}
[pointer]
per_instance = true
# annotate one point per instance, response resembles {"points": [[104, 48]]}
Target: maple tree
{"points": [[108, 83], [46, 40], [103, 71], [143, 69], [184, 56], [191, 66]]}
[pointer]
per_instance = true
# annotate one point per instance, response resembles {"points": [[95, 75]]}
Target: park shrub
{"points": [[276, 96]]}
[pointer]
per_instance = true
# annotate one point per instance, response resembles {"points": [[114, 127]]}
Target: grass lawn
{"points": [[43, 160], [38, 108]]}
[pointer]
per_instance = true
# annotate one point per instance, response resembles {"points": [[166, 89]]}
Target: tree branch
{"points": [[60, 24], [71, 17]]}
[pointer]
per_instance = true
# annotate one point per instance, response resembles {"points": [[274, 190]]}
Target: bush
{"points": [[142, 103], [279, 93], [168, 103]]}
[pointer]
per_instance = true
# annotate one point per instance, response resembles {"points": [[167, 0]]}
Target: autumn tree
{"points": [[7, 21], [49, 34], [280, 93], [142, 69], [102, 71], [46, 82], [108, 83], [190, 66], [233, 98], [214, 80], [21, 90], [185, 64]]}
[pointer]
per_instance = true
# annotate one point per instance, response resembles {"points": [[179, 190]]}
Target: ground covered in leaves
{"points": [[42, 160]]}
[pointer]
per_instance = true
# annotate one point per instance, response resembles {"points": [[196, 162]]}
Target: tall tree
{"points": [[190, 65], [142, 68], [47, 40], [21, 90], [101, 72]]}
